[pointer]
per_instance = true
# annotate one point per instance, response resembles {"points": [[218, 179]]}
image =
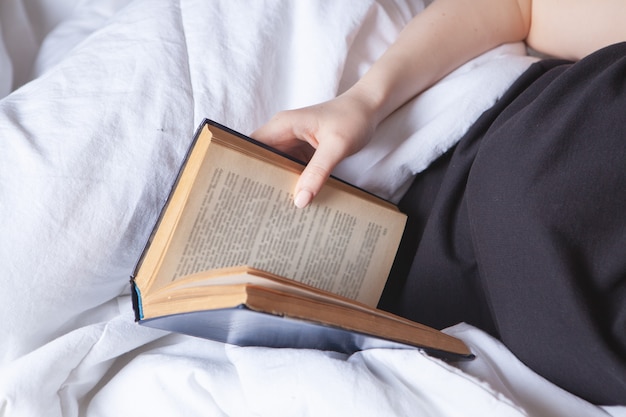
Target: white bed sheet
{"points": [[100, 100]]}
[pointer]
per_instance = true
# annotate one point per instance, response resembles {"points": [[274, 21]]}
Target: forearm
{"points": [[438, 40]]}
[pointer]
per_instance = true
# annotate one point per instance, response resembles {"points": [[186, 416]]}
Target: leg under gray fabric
{"points": [[526, 236]]}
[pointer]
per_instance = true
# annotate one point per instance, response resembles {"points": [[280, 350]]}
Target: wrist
{"points": [[370, 101]]}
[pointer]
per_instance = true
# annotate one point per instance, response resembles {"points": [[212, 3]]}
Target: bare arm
{"points": [[442, 37], [445, 35]]}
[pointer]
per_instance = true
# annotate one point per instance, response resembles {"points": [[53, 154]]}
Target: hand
{"points": [[322, 135]]}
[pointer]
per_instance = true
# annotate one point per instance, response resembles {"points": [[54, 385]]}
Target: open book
{"points": [[232, 259]]}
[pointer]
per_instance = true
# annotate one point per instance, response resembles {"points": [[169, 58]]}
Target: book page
{"points": [[242, 213]]}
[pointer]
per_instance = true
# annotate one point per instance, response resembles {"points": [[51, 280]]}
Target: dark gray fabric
{"points": [[521, 229]]}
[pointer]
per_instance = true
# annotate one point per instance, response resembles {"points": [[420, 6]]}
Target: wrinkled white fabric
{"points": [[100, 101]]}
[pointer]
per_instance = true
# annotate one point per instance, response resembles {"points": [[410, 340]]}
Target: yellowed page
{"points": [[242, 213]]}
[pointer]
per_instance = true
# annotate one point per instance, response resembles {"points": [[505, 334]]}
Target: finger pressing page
{"points": [[315, 174]]}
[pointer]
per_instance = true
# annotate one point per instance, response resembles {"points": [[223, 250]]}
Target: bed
{"points": [[99, 102]]}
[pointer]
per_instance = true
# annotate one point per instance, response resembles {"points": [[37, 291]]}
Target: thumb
{"points": [[315, 174]]}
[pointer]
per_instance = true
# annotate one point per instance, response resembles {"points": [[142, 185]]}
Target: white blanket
{"points": [[100, 102]]}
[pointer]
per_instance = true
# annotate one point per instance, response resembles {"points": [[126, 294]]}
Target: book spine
{"points": [[135, 295]]}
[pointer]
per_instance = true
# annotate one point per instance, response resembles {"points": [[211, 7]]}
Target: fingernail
{"points": [[303, 198]]}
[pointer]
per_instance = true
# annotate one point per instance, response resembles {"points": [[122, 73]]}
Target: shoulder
{"points": [[573, 29]]}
